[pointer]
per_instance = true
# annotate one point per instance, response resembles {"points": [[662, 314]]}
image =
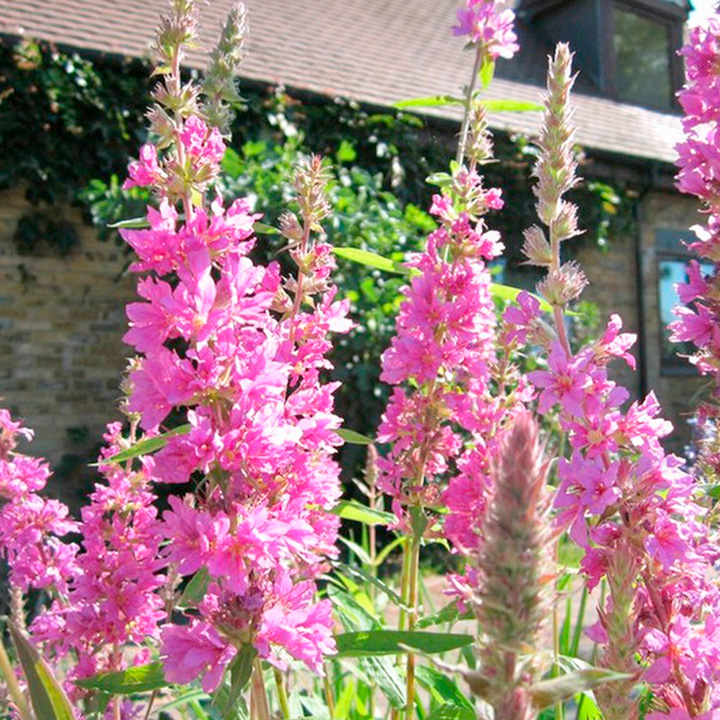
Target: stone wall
{"points": [[61, 324], [613, 276]]}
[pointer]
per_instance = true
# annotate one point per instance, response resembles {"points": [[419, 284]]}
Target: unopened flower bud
{"points": [[566, 222], [480, 146], [290, 227], [563, 285], [536, 248], [219, 86], [311, 179]]}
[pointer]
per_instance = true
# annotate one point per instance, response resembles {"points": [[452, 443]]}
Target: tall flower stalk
{"points": [[444, 346], [629, 504], [242, 350]]}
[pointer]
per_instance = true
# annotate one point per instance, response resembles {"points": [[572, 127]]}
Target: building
{"points": [[60, 335]]}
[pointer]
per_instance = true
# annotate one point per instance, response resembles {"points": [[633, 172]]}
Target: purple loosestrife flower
{"points": [[626, 501], [488, 24], [241, 350]]}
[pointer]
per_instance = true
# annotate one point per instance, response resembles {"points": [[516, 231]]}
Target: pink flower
{"points": [[488, 26], [145, 170], [565, 382], [667, 543], [193, 650]]}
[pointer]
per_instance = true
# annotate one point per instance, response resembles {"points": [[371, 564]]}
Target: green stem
{"points": [[559, 714], [577, 630], [6, 670], [412, 619], [328, 695], [282, 694], [468, 105]]}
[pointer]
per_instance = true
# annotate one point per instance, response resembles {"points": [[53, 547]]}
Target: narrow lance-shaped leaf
{"points": [[141, 678], [371, 259], [549, 692], [393, 642], [48, 699], [431, 101], [148, 445], [196, 588], [354, 438], [139, 222], [353, 510], [500, 105]]}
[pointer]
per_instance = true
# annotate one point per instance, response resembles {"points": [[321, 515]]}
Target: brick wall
{"points": [[61, 323], [612, 276]]}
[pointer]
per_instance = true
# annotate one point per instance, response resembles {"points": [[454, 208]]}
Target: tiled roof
{"points": [[374, 51]]}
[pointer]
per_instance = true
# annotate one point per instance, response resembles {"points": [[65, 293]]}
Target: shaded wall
{"points": [[61, 323]]}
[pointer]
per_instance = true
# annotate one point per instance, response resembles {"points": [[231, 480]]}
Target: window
{"points": [[642, 52], [673, 258]]}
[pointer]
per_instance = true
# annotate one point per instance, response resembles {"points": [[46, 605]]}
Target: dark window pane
{"points": [[642, 59]]}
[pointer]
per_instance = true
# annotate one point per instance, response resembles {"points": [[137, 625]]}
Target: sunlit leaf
{"points": [[511, 106], [353, 510], [392, 642], [47, 696], [549, 692], [148, 445], [430, 101], [354, 438], [137, 679], [370, 259]]}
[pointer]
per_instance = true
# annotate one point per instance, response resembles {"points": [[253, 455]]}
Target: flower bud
{"points": [[536, 248], [290, 227], [563, 285], [219, 86]]}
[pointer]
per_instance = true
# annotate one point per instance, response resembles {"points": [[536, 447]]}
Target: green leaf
{"points": [[148, 445], [344, 702], [380, 559], [188, 697], [382, 670], [442, 179], [393, 642], [141, 678], [196, 588], [139, 222], [263, 229], [442, 685], [354, 438], [448, 711], [367, 578], [486, 73], [359, 551], [511, 106], [48, 699], [587, 709], [346, 152], [240, 671], [549, 692], [353, 510], [431, 101], [371, 259], [449, 613]]}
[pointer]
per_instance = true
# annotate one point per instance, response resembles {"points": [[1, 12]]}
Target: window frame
{"points": [[670, 18], [673, 365]]}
